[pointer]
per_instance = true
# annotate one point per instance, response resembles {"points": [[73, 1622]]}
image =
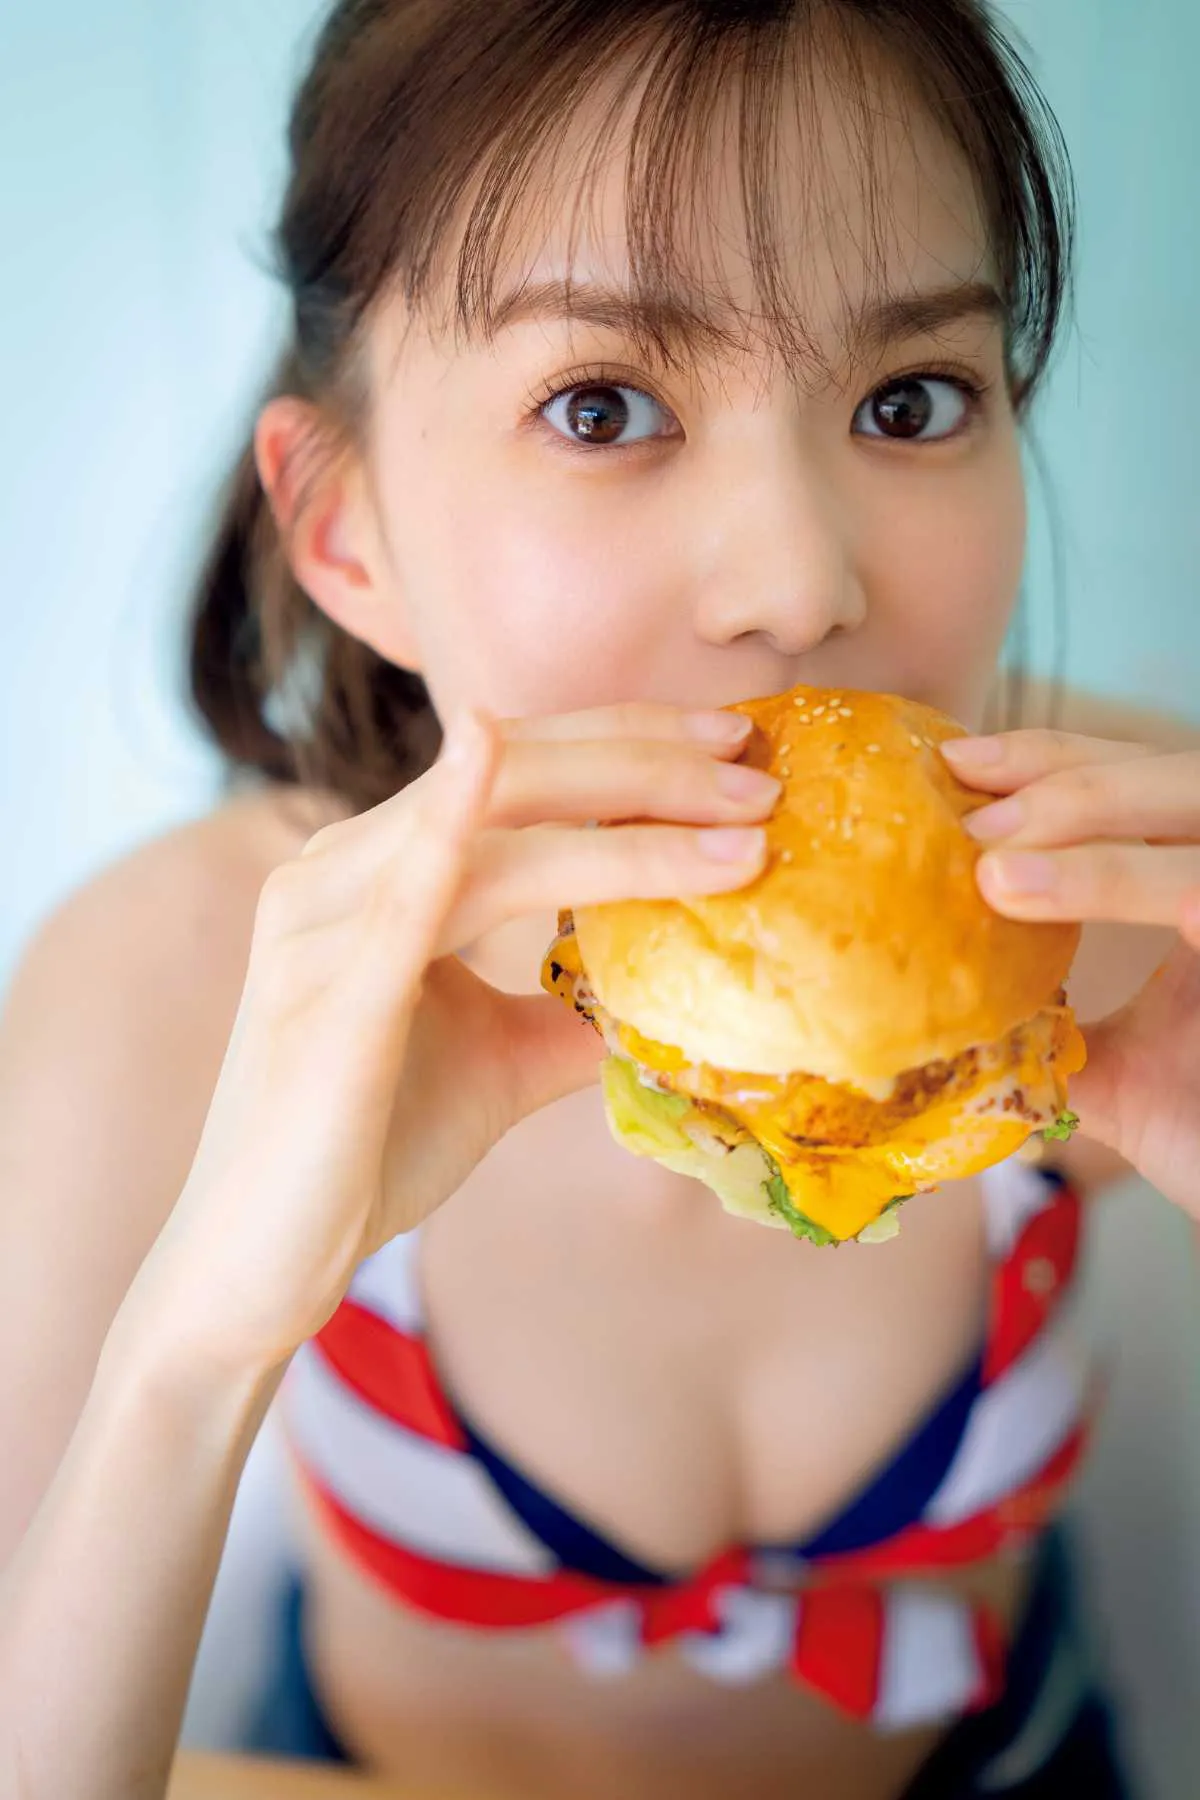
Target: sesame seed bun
{"points": [[865, 948]]}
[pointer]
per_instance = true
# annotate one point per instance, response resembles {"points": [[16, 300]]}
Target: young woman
{"points": [[648, 354]]}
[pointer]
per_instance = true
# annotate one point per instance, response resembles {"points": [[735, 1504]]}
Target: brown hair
{"points": [[414, 112]]}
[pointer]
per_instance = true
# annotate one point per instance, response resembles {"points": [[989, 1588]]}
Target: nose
{"points": [[778, 553]]}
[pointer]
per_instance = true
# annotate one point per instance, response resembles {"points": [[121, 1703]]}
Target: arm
{"points": [[111, 1037], [102, 1608]]}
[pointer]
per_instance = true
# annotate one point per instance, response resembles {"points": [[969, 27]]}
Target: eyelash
{"points": [[973, 387], [589, 375]]}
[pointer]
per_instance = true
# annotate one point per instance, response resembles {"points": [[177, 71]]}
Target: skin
{"points": [[1086, 828], [680, 1379], [751, 539], [756, 538]]}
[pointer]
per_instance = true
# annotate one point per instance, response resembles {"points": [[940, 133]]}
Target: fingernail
{"points": [[718, 727], [1021, 873], [991, 822], [737, 782], [736, 846], [973, 752]]}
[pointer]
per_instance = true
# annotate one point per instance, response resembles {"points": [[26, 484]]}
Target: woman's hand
{"points": [[1090, 829], [369, 1069]]}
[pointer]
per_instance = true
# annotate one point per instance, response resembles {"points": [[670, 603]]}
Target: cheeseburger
{"points": [[855, 1026]]}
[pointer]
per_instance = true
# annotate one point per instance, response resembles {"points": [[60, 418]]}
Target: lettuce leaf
{"points": [[650, 1123], [645, 1119], [1063, 1126], [887, 1225], [747, 1181], [781, 1203]]}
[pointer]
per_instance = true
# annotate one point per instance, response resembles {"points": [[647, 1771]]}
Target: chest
{"points": [[678, 1379]]}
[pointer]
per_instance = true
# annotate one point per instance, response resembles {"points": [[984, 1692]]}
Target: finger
{"points": [[312, 941], [571, 782], [544, 868], [1152, 798], [552, 1051], [384, 828], [627, 778], [408, 912], [1012, 759], [329, 876], [723, 733], [353, 850], [1131, 884]]}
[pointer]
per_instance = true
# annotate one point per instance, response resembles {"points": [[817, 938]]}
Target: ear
{"points": [[330, 533]]}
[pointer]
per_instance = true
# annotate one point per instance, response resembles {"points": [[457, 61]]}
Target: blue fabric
{"points": [[575, 1544], [1051, 1737], [288, 1720], [892, 1500], [897, 1497]]}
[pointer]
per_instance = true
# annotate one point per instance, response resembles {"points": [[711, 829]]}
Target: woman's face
{"points": [[562, 523]]}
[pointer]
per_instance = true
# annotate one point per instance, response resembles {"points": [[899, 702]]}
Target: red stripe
{"points": [[922, 1548], [463, 1596], [1029, 1285], [691, 1605], [839, 1646], [390, 1371], [1017, 1515], [990, 1649], [1030, 1507], [504, 1601]]}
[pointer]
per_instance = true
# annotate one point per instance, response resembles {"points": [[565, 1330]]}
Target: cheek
{"points": [[955, 572], [534, 600]]}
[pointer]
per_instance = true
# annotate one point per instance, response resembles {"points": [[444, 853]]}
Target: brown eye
{"points": [[920, 407], [602, 414], [598, 415]]}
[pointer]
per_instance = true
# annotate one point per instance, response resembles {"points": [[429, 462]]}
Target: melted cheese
{"points": [[562, 968], [942, 1123]]}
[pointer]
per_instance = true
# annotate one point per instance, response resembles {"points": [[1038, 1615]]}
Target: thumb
{"points": [[554, 1051], [1127, 1050]]}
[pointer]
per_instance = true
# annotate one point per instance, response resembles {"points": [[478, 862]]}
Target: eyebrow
{"points": [[680, 325]]}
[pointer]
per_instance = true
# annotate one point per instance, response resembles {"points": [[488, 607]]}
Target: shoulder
{"points": [[1080, 710], [199, 873], [113, 1028], [159, 937]]}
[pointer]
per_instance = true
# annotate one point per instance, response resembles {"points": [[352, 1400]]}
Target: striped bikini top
{"points": [[415, 1494]]}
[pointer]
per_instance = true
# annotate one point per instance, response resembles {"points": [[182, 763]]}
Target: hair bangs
{"points": [[663, 99]]}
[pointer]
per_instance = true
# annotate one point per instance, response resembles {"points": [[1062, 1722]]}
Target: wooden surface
{"points": [[205, 1777]]}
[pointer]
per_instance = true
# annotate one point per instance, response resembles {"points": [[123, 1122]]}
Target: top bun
{"points": [[865, 947]]}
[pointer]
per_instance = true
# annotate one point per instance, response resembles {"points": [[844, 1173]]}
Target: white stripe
{"points": [[606, 1640], [437, 1502], [387, 1283], [930, 1666], [756, 1636], [1015, 1426], [1013, 1193]]}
